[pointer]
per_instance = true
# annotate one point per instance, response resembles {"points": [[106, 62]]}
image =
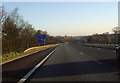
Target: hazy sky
{"points": [[69, 18]]}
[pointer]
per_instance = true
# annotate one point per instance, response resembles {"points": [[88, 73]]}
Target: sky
{"points": [[68, 18]]}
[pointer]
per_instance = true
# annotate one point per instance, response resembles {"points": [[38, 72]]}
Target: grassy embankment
{"points": [[15, 55]]}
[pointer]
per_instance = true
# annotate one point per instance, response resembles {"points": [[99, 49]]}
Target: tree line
{"points": [[18, 34], [104, 38]]}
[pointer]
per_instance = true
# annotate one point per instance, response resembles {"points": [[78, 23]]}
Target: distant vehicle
{"points": [[118, 52]]}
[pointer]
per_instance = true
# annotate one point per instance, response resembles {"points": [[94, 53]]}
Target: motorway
{"points": [[73, 62]]}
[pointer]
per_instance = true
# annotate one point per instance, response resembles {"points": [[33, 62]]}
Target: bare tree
{"points": [[18, 34], [116, 30]]}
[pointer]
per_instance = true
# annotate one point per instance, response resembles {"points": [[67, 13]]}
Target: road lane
{"points": [[15, 70], [68, 63], [35, 67], [102, 54]]}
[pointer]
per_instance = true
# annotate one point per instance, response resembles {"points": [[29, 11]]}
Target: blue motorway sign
{"points": [[41, 41], [41, 38]]}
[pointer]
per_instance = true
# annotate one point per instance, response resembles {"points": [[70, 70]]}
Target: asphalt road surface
{"points": [[13, 71], [72, 62]]}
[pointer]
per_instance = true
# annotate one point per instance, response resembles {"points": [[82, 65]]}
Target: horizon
{"points": [[68, 18]]}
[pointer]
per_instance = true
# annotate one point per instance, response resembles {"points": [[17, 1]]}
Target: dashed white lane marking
{"points": [[33, 70], [94, 60], [114, 51], [81, 53], [98, 48]]}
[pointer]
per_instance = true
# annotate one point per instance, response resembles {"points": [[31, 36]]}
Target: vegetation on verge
{"points": [[14, 55]]}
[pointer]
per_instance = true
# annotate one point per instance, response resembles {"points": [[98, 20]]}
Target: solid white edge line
{"points": [[98, 62], [38, 65]]}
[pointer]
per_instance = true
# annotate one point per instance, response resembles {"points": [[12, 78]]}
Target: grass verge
{"points": [[15, 55]]}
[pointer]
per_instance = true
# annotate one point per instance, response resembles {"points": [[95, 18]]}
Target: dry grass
{"points": [[16, 55]]}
